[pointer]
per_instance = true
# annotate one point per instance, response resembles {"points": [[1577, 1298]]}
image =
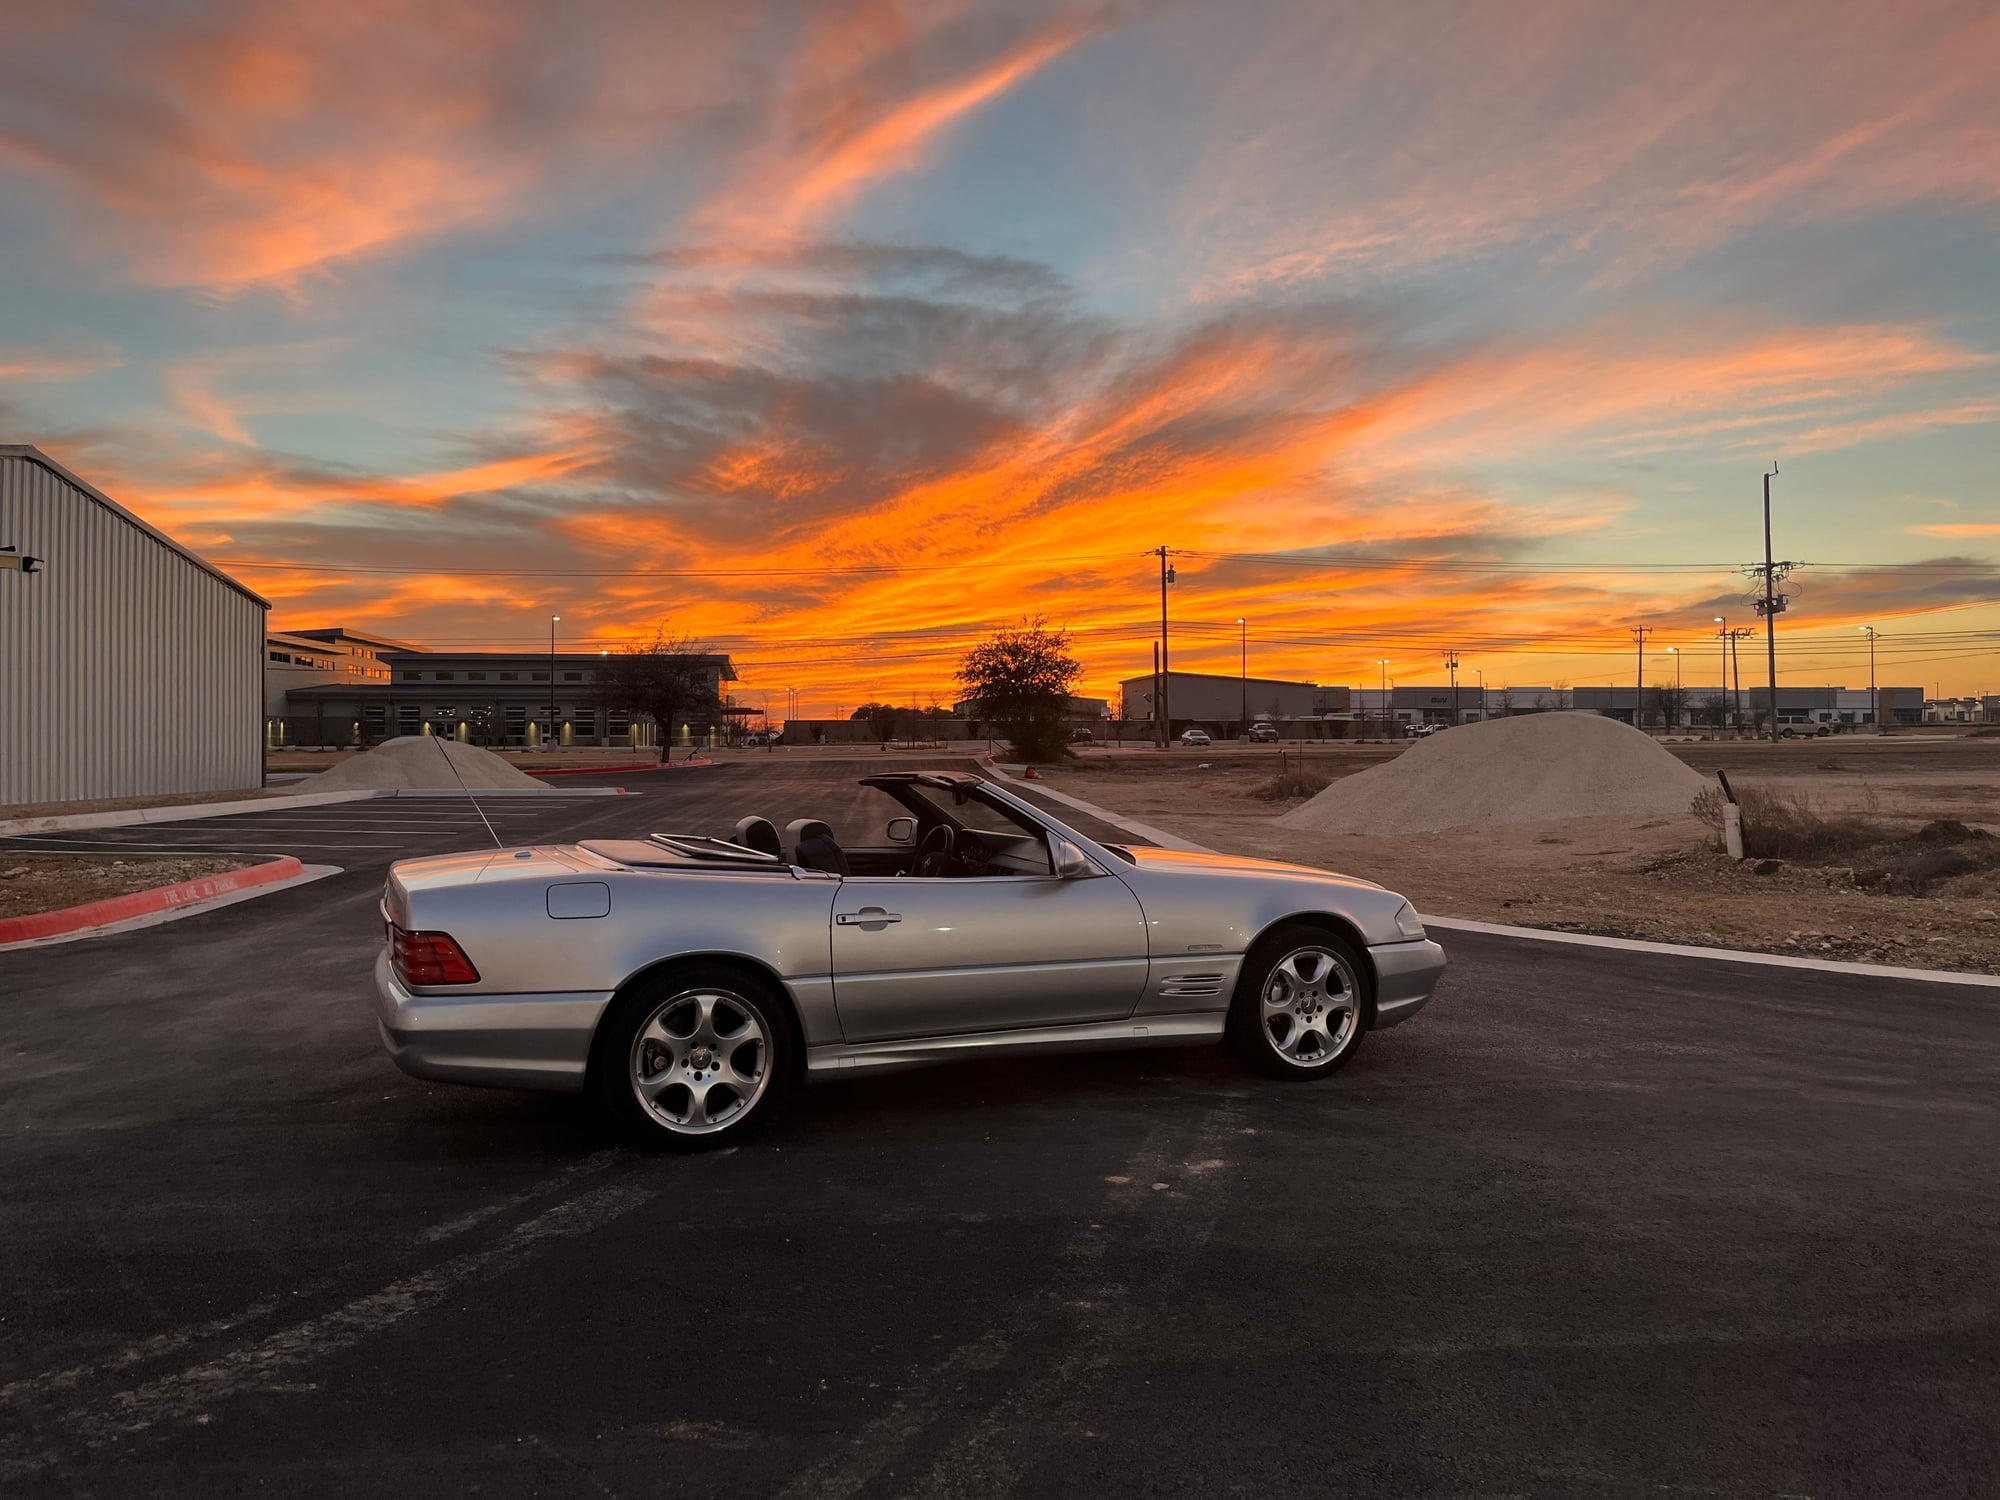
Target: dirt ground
{"points": [[32, 883], [1656, 878]]}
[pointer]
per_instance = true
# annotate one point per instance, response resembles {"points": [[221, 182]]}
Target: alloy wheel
{"points": [[701, 1061], [1310, 1006]]}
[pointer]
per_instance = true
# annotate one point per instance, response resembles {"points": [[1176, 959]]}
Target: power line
{"points": [[1973, 569]]}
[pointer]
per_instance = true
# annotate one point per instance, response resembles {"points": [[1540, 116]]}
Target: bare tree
{"points": [[1671, 702], [669, 679]]}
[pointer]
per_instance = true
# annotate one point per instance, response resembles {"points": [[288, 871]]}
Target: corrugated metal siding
{"points": [[125, 669]]}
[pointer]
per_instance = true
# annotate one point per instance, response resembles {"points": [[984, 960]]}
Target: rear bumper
{"points": [[1405, 975], [502, 1041]]}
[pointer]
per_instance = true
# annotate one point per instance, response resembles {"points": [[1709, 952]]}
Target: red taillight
{"points": [[429, 958]]}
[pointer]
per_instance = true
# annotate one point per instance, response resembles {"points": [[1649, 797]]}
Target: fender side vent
{"points": [[1191, 986]]}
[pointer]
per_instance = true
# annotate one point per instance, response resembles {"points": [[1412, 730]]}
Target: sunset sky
{"points": [[837, 334]]}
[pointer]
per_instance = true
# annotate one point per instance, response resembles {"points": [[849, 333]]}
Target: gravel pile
{"points": [[424, 762], [1537, 768]]}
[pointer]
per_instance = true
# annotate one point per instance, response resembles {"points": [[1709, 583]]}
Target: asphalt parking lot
{"points": [[1595, 1223]]}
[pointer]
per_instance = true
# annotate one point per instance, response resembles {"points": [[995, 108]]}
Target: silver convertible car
{"points": [[689, 982]]}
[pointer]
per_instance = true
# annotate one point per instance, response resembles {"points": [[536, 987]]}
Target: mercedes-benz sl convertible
{"points": [[689, 982]]}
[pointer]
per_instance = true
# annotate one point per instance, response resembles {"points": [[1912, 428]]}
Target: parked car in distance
{"points": [[690, 982], [1195, 737], [1082, 737], [1805, 731], [1421, 731], [1263, 734]]}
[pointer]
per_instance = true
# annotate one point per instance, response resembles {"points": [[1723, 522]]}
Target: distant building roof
{"points": [[330, 633]]}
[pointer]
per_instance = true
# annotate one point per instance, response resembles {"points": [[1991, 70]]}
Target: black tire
{"points": [[695, 1058], [1312, 1034]]}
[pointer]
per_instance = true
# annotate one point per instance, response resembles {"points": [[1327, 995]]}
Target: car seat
{"points": [[760, 834], [814, 847]]}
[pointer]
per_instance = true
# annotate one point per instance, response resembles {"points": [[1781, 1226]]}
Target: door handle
{"points": [[868, 916]]}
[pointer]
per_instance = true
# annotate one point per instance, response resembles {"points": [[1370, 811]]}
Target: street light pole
{"points": [[1639, 634], [1675, 653], [1383, 663], [553, 619], [1874, 698], [1243, 671]]}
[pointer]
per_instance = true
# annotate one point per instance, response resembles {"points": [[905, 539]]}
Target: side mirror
{"points": [[1071, 862], [902, 830]]}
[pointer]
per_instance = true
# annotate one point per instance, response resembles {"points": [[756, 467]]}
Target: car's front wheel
{"points": [[1301, 1005], [694, 1060]]}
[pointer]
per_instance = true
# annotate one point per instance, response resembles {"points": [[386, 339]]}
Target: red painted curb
{"points": [[42, 924], [597, 770]]}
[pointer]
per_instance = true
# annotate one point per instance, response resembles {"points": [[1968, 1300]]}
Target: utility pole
{"points": [[1874, 698], [1159, 724], [1737, 663], [1639, 634], [1673, 722], [1383, 663], [1160, 702], [1773, 603], [1451, 665]]}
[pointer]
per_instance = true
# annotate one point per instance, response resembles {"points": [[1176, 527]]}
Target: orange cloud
{"points": [[58, 361], [1957, 529], [1607, 144], [271, 146]]}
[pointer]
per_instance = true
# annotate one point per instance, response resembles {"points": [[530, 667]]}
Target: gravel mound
{"points": [[1536, 768], [424, 762]]}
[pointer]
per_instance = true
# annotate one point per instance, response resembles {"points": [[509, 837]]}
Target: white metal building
{"points": [[128, 666]]}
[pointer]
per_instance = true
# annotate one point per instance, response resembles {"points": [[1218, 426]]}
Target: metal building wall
{"points": [[126, 668]]}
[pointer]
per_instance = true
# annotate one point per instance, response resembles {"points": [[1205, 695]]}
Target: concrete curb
{"points": [[113, 909], [188, 811], [306, 876], [1717, 955], [179, 812], [597, 770], [1577, 939]]}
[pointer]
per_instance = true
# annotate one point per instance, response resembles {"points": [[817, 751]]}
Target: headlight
{"points": [[1408, 922]]}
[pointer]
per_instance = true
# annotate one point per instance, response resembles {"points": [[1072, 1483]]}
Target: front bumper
{"points": [[1405, 975], [503, 1041]]}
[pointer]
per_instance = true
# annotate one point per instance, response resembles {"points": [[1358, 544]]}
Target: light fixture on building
{"points": [[14, 561]]}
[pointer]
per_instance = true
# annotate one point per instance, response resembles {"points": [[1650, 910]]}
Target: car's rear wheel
{"points": [[1301, 1005], [696, 1059]]}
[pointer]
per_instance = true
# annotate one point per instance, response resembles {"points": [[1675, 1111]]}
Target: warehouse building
{"points": [[132, 667], [1217, 701]]}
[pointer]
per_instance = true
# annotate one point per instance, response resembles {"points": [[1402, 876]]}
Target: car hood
{"points": [[1206, 862]]}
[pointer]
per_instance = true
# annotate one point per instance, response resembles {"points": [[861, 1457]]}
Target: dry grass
{"points": [[1780, 824], [1293, 784]]}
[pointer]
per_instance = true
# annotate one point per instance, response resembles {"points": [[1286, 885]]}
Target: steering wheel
{"points": [[934, 853]]}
